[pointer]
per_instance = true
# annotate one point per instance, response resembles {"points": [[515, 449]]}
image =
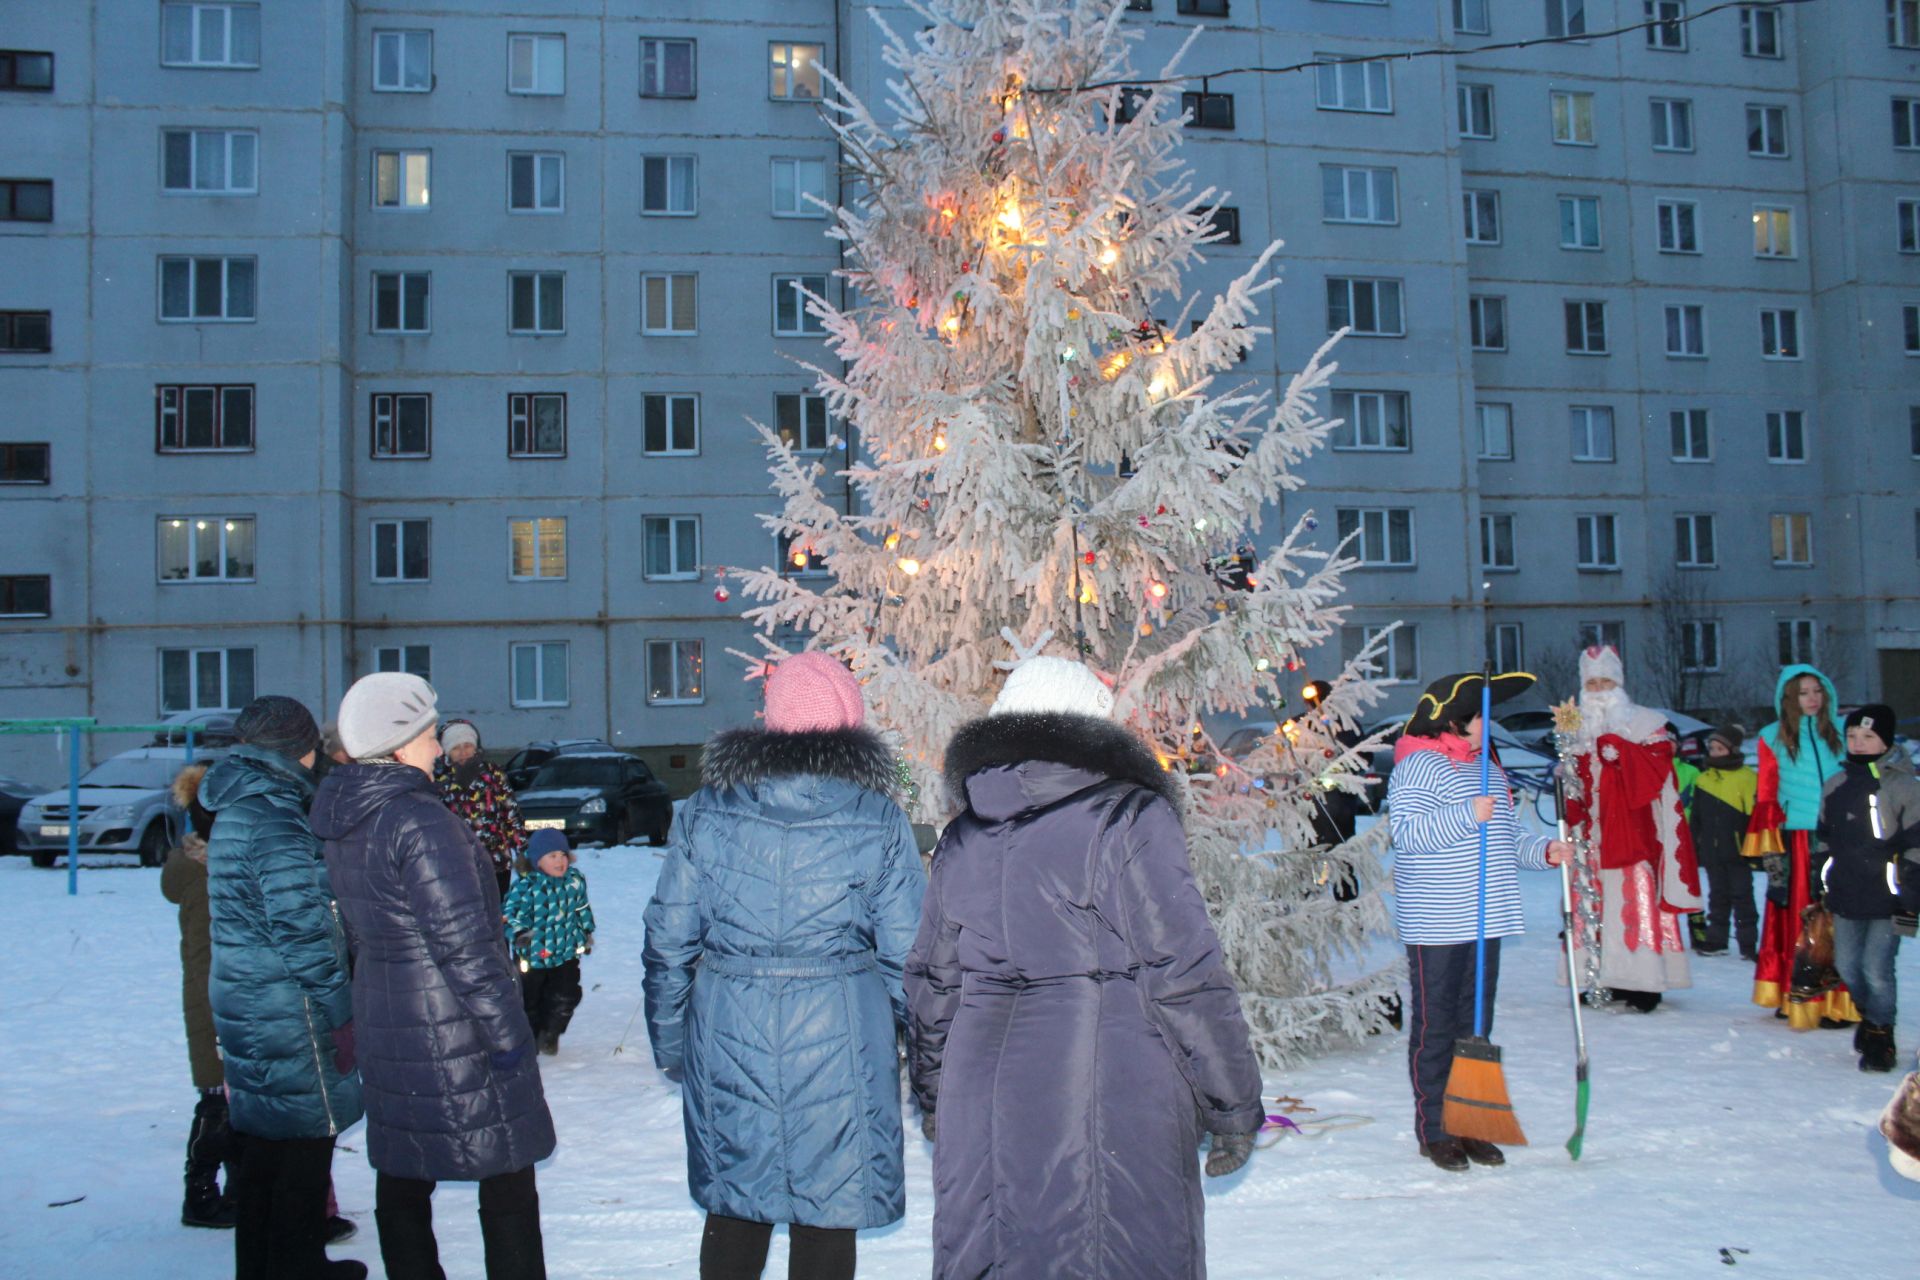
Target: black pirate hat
{"points": [[1457, 697]]}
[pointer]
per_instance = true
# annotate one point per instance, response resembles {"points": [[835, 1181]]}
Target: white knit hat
{"points": [[1045, 684], [459, 733], [1601, 662], [385, 711]]}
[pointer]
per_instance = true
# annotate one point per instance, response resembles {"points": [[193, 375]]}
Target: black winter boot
{"points": [[514, 1248], [209, 1142], [408, 1249], [1447, 1153], [1878, 1051]]}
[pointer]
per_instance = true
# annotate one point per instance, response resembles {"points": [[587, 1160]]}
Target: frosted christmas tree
{"points": [[1050, 448]]}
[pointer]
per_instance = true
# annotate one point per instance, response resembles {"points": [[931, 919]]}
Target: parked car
{"points": [[1531, 770], [125, 807], [524, 763], [607, 796], [14, 794], [210, 729]]}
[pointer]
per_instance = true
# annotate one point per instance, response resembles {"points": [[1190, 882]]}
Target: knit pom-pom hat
{"points": [[813, 692], [1043, 684]]}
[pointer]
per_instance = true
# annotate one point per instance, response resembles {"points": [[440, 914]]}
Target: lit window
{"points": [[1772, 232], [206, 548], [793, 72], [1572, 118], [667, 305], [674, 672], [1792, 537], [537, 549], [400, 180]]}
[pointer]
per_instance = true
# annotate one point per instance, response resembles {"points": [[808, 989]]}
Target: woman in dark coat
{"points": [[1073, 1026], [453, 1092], [775, 942]]}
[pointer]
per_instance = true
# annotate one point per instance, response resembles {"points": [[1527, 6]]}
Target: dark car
{"points": [[14, 795], [527, 761], [603, 796]]}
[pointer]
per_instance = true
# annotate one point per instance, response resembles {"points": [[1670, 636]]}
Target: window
{"points": [[1678, 225], [672, 548], [400, 301], [1496, 431], [1913, 430], [210, 35], [1508, 653], [1906, 216], [1385, 535], [670, 423], [536, 301], [798, 560], [791, 319], [1786, 436], [1909, 329], [802, 422], [674, 671], [209, 162], [1598, 549], [1699, 645], [414, 659], [1592, 430], [1487, 322], [206, 548], [1370, 308], [1766, 131], [1566, 17], [1906, 124], [1203, 8], [402, 61], [1139, 6], [1470, 17], [1399, 657], [793, 72], [1760, 32], [401, 179], [537, 549], [1224, 224], [22, 331], [1586, 328], [25, 71], [26, 200], [1672, 124], [205, 679], [1796, 640], [1686, 325], [203, 419], [1792, 540], [1572, 118], [1209, 110], [402, 424], [1359, 195], [1903, 24], [1482, 213], [668, 186], [536, 424], [401, 550], [195, 289], [1772, 232], [1352, 86], [30, 463], [667, 69], [1371, 420], [1688, 436], [1496, 543], [1668, 31], [1129, 102], [536, 181], [1475, 102], [797, 183], [1610, 635], [537, 64], [1693, 542], [1779, 334], [539, 674], [667, 305], [26, 595], [1579, 222]]}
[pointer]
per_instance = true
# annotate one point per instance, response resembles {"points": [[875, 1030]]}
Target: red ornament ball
{"points": [[966, 268], [999, 135], [1089, 557], [1159, 511], [722, 594]]}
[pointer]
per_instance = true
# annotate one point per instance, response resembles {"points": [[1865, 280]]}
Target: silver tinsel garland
{"points": [[1586, 881]]}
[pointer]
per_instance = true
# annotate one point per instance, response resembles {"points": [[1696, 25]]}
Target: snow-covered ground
{"points": [[1717, 1136]]}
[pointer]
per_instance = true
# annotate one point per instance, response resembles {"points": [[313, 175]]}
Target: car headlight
{"points": [[114, 813], [593, 806]]}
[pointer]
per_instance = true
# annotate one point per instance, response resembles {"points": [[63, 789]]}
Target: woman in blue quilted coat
{"points": [[452, 1087], [278, 987], [774, 948]]}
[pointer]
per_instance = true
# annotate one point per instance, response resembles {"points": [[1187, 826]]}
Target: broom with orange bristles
{"points": [[1476, 1101]]}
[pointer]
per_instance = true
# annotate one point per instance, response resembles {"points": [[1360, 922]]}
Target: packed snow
{"points": [[1717, 1137]]}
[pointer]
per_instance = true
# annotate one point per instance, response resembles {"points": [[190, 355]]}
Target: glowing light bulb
{"points": [[1160, 385], [1010, 217], [1157, 589], [1086, 593], [951, 324], [908, 565], [1200, 525], [1261, 664], [1109, 256], [800, 559], [893, 540], [939, 441]]}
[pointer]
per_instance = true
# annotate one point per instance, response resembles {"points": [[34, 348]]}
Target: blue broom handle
{"points": [[1480, 929]]}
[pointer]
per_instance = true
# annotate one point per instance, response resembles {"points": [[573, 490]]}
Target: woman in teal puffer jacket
{"points": [[278, 987]]}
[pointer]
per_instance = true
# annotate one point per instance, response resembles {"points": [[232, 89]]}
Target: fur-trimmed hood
{"points": [[1093, 748], [746, 757]]}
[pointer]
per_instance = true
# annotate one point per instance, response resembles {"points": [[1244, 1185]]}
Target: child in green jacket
{"points": [[550, 926]]}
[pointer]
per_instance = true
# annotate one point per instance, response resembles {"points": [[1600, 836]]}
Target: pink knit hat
{"points": [[811, 692]]}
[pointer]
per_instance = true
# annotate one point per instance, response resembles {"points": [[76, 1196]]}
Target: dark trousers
{"points": [[550, 996], [280, 1230], [1730, 896], [736, 1249], [1442, 1012], [509, 1227]]}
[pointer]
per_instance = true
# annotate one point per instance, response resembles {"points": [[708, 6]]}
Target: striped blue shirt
{"points": [[1436, 852]]}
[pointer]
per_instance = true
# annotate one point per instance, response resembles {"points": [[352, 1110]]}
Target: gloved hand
{"points": [[926, 1125], [522, 941], [1228, 1152], [589, 950], [344, 1060], [506, 1060]]}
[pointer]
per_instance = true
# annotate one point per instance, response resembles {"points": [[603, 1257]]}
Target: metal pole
{"points": [[73, 810], [189, 744]]}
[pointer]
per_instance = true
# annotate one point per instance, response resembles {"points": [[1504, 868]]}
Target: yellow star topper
{"points": [[1566, 718]]}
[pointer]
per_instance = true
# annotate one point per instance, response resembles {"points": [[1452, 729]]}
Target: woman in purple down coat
{"points": [[1073, 1028]]}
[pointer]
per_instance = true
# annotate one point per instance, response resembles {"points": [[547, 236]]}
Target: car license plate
{"points": [[50, 832], [546, 824]]}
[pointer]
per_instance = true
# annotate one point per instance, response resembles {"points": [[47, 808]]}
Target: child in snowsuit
{"points": [[1869, 818], [550, 926], [1723, 796]]}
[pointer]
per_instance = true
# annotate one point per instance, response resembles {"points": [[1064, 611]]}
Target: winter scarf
{"points": [[1451, 745]]}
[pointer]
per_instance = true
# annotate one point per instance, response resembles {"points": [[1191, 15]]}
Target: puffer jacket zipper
{"points": [[319, 1068]]}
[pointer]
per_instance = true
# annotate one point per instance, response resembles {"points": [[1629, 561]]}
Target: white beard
{"points": [[1612, 711]]}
